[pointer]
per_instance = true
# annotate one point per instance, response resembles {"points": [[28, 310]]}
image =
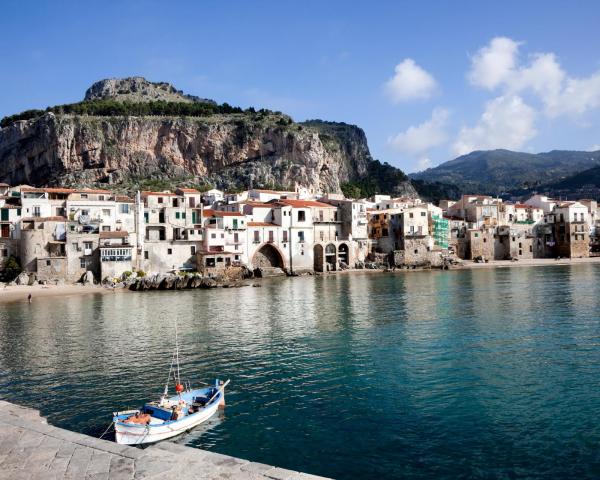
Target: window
{"points": [[213, 235], [301, 215], [84, 195], [4, 253], [175, 202], [123, 208], [423, 214], [82, 263], [416, 252], [256, 236], [48, 263], [169, 251], [183, 215], [285, 236], [145, 217], [410, 215], [36, 211], [160, 200], [101, 198], [106, 228], [236, 238], [485, 240], [301, 237], [85, 212], [177, 215], [193, 249], [192, 202], [87, 245]]}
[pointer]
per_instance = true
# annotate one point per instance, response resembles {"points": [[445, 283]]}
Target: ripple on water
{"points": [[483, 373]]}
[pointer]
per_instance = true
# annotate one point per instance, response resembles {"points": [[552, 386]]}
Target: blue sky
{"points": [[425, 80]]}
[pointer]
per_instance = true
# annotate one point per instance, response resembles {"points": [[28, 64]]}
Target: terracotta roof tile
{"points": [[304, 203], [261, 224], [121, 234]]}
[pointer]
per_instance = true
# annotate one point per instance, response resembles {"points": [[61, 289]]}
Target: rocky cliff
{"points": [[229, 150]]}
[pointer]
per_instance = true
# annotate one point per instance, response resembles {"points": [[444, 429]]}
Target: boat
{"points": [[169, 416]]}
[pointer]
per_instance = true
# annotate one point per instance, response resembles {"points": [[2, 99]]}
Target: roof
{"points": [[208, 212], [304, 203], [253, 204], [124, 198], [188, 190], [121, 234], [522, 205], [6, 205], [158, 194], [261, 224], [218, 213], [64, 190], [271, 191], [4, 185], [44, 219]]}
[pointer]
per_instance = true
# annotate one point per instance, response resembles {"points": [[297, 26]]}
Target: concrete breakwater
{"points": [[32, 449]]}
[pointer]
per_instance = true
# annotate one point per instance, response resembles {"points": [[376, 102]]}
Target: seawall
{"points": [[32, 449]]}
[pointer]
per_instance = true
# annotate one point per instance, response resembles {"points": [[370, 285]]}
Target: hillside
{"points": [[497, 171], [131, 133]]}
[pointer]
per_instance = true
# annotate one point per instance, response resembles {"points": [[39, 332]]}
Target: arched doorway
{"points": [[267, 257], [344, 254], [330, 257], [318, 254]]}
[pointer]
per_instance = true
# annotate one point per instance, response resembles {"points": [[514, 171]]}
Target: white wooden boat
{"points": [[170, 416]]}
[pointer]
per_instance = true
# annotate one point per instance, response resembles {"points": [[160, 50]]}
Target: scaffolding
{"points": [[441, 229]]}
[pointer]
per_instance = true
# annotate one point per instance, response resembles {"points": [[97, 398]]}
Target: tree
{"points": [[12, 268]]}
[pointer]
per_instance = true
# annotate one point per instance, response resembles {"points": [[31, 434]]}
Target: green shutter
{"points": [[183, 215], [4, 215], [176, 214], [146, 217], [193, 217]]}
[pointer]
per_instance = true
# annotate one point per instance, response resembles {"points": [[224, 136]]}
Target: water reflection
{"points": [[485, 373]]}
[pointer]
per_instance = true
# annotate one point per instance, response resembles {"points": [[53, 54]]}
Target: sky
{"points": [[426, 80]]}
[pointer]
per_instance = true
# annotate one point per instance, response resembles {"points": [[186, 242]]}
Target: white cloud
{"points": [[493, 64], [497, 66], [410, 82], [421, 138], [507, 122], [594, 148], [423, 164]]}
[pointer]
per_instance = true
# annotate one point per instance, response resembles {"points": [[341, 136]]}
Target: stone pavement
{"points": [[31, 449]]}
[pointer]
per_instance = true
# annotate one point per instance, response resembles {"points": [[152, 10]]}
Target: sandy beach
{"points": [[530, 262], [20, 293]]}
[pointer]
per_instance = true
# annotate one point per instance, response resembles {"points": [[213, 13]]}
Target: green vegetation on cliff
{"points": [[110, 108]]}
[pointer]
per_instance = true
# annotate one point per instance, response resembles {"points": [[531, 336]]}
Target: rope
{"points": [[106, 431]]}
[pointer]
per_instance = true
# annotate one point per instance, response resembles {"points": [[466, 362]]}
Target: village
{"points": [[70, 235]]}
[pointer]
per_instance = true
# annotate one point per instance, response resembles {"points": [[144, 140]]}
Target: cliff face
{"points": [[100, 142], [231, 151]]}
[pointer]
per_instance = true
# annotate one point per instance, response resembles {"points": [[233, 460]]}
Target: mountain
{"points": [[498, 171], [131, 133]]}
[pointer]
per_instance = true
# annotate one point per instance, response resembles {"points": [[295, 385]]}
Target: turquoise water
{"points": [[490, 373]]}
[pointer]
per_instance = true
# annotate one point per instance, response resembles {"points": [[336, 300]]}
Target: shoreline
{"points": [[19, 293]]}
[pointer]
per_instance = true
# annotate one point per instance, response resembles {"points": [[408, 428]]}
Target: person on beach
{"points": [[29, 298]]}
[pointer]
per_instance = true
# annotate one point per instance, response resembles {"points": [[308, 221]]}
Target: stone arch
{"points": [[319, 257], [344, 253], [331, 257], [267, 257]]}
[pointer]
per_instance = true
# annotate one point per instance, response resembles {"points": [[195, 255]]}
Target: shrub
{"points": [[140, 273], [12, 268], [127, 273]]}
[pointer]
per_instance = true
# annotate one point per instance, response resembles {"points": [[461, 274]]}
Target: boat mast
{"points": [[177, 380]]}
